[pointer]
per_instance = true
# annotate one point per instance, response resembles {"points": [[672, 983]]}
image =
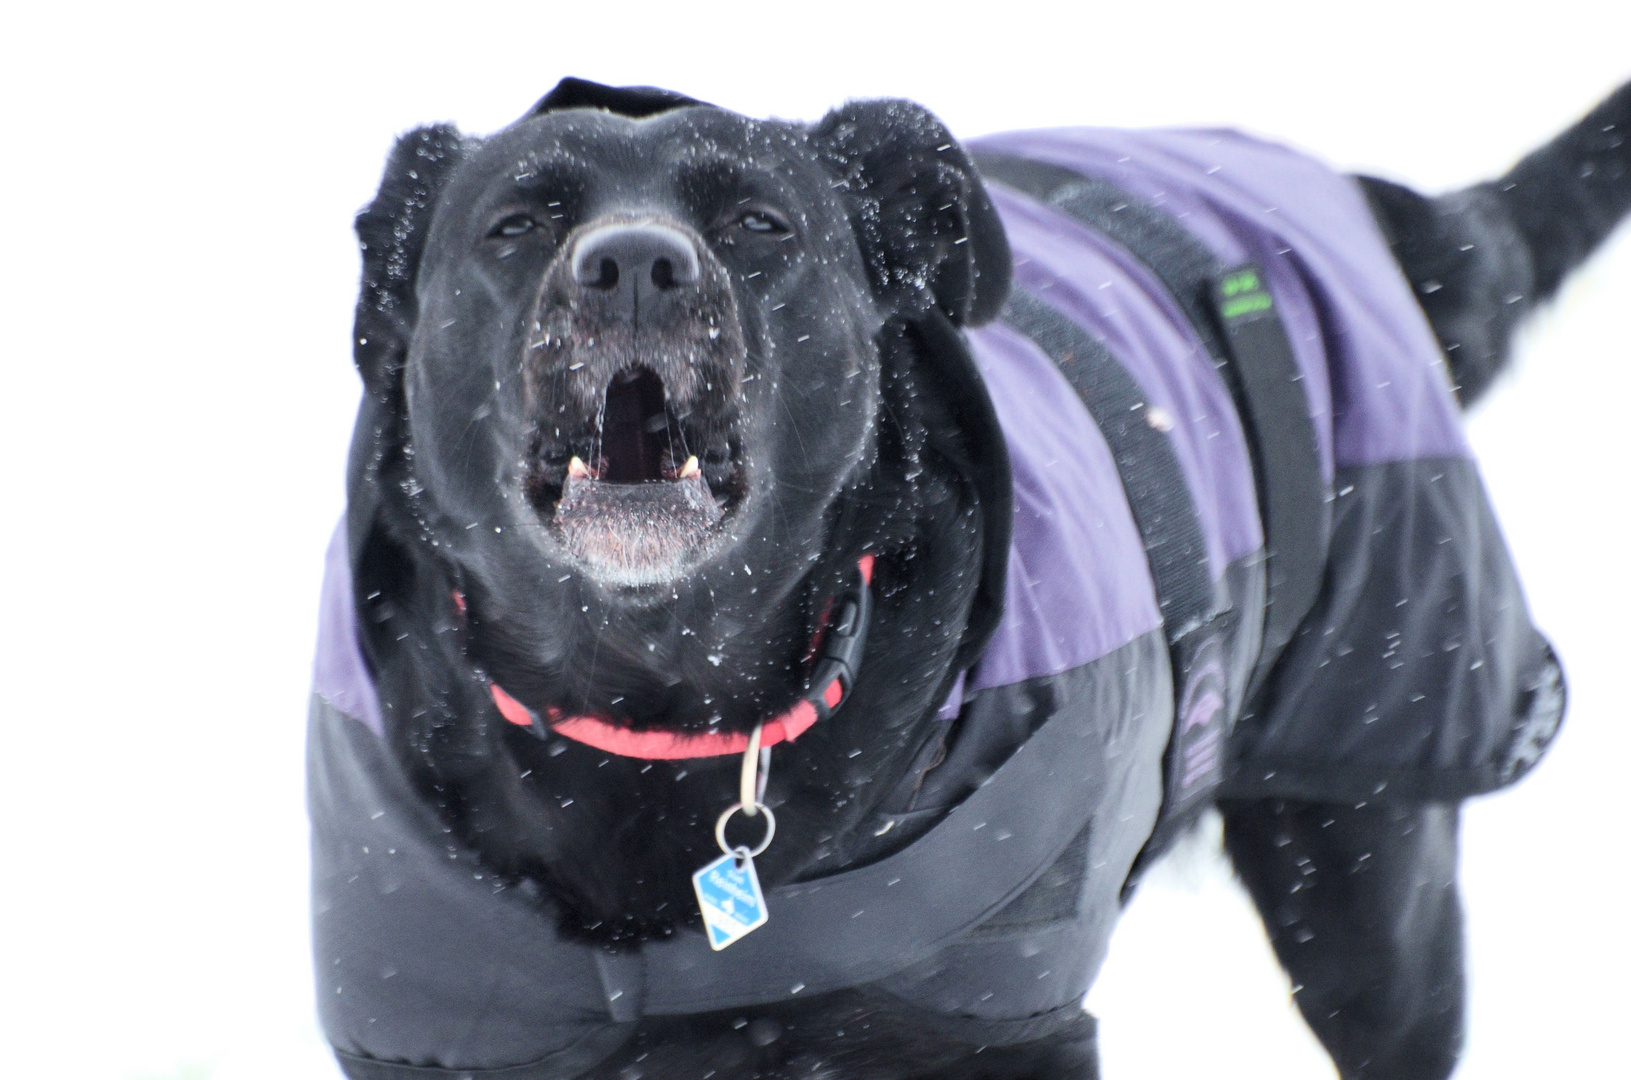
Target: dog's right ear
{"points": [[392, 232]]}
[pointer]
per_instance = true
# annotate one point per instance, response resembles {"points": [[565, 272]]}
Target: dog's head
{"points": [[626, 352], [644, 380]]}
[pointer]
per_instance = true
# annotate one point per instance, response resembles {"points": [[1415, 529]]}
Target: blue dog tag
{"points": [[733, 905]]}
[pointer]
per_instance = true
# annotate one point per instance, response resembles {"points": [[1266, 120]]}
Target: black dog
{"points": [[672, 444]]}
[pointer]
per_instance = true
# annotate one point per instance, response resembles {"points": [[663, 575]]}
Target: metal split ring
{"points": [[770, 831]]}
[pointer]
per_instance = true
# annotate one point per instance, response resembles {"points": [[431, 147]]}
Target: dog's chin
{"points": [[643, 534]]}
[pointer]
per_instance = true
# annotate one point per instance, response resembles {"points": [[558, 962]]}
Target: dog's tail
{"points": [[1481, 258]]}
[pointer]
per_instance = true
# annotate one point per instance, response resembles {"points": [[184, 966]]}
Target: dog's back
{"points": [[1452, 697]]}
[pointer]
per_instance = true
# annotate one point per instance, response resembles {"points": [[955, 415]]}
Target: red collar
{"points": [[830, 686]]}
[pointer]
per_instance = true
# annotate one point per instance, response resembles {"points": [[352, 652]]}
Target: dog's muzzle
{"points": [[634, 371]]}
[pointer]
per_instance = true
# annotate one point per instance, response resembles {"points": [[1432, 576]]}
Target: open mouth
{"points": [[635, 491], [640, 442]]}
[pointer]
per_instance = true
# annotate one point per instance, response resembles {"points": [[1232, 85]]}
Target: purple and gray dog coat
{"points": [[1318, 605]]}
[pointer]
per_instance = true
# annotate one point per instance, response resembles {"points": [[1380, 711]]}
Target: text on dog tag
{"points": [[732, 903]]}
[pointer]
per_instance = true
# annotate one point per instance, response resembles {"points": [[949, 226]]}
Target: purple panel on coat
{"points": [[339, 672], [1121, 304], [1373, 370], [1078, 580]]}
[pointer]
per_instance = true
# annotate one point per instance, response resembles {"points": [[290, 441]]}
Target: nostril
{"points": [[607, 278], [662, 274]]}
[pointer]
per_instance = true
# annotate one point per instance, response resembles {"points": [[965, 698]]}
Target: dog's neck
{"points": [[612, 839], [836, 650]]}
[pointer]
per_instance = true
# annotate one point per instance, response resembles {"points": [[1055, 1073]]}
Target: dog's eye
{"points": [[514, 225], [759, 221]]}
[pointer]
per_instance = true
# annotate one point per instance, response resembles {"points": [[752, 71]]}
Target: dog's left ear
{"points": [[921, 214]]}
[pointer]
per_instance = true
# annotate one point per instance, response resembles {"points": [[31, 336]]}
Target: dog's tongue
{"points": [[630, 531]]}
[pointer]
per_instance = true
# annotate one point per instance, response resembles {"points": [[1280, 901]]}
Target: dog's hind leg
{"points": [[1481, 258], [1361, 907]]}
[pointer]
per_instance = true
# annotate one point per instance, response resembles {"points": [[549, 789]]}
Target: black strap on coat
{"points": [[1170, 528], [1233, 315]]}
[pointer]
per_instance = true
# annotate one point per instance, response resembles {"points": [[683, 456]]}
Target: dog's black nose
{"points": [[630, 262]]}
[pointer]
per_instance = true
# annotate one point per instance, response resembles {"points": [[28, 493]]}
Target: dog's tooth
{"points": [[577, 468], [691, 468]]}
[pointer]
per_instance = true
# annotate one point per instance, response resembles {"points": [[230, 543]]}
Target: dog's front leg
{"points": [[1360, 904]]}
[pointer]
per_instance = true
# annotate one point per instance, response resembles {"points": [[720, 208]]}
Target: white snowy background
{"points": [[176, 282]]}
